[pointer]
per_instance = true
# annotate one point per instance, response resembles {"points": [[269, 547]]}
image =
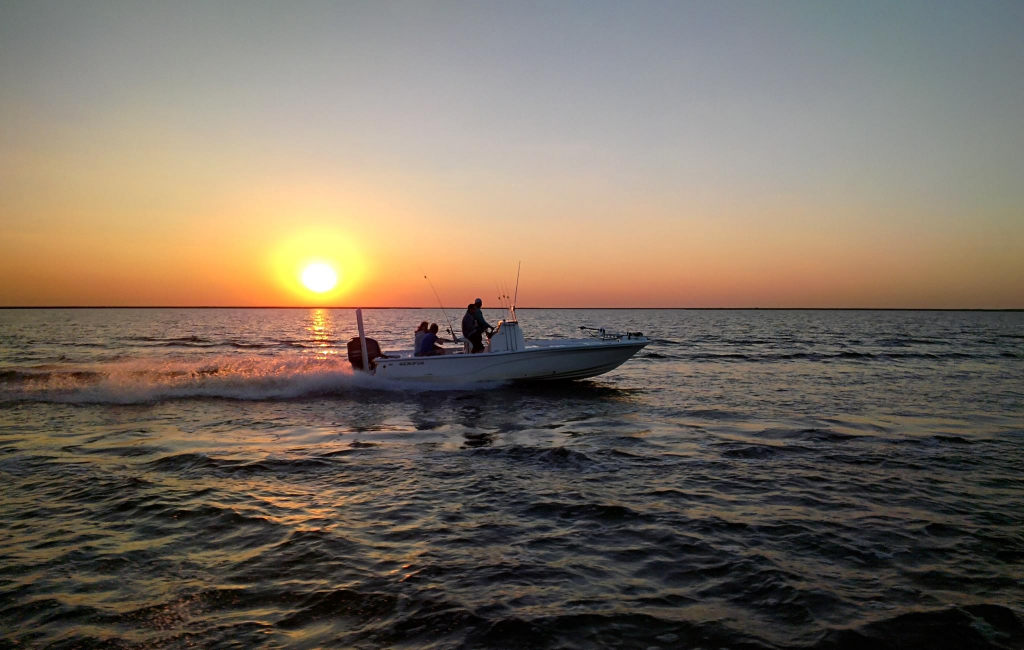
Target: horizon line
{"points": [[984, 309]]}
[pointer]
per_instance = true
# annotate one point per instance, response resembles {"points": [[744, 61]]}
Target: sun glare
{"points": [[315, 266], [319, 277]]}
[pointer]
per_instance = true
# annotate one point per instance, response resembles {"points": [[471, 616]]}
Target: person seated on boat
{"points": [[421, 331], [471, 328], [484, 325], [428, 344]]}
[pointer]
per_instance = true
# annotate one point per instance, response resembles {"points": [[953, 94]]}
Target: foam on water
{"points": [[139, 381]]}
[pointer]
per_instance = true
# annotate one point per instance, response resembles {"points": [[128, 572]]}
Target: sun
{"points": [[319, 277]]}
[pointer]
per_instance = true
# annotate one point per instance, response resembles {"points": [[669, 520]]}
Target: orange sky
{"points": [[247, 246], [680, 157]]}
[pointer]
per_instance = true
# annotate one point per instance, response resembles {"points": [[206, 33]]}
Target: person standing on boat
{"points": [[428, 346], [484, 325], [471, 328]]}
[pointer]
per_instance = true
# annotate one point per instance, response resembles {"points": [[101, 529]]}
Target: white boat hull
{"points": [[547, 361]]}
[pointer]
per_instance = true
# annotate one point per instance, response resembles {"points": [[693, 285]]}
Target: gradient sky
{"points": [[719, 154]]}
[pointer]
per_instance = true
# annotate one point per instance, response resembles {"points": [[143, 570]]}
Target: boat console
{"points": [[508, 337]]}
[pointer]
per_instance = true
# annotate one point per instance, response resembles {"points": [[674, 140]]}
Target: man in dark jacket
{"points": [[481, 321], [471, 328]]}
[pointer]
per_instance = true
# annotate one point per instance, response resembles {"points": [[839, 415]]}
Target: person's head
{"points": [[479, 303], [422, 327], [471, 307], [433, 328]]}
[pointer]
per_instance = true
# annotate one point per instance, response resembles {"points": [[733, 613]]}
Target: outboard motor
{"points": [[355, 352]]}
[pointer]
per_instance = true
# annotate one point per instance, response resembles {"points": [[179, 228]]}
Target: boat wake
{"points": [[141, 381]]}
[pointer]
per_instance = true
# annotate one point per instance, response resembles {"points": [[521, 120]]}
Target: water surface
{"points": [[754, 479]]}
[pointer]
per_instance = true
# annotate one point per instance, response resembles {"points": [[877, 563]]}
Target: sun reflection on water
{"points": [[321, 334]]}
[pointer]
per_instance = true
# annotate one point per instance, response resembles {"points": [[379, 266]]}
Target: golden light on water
{"points": [[319, 277], [321, 334]]}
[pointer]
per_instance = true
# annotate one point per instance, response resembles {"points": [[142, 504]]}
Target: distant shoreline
{"points": [[954, 309]]}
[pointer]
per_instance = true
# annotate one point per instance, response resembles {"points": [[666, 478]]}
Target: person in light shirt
{"points": [[428, 344], [421, 331]]}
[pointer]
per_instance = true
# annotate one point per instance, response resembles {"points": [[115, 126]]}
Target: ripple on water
{"points": [[755, 480]]}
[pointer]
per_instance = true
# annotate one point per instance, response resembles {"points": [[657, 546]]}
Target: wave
{"points": [[173, 339], [556, 458], [971, 626], [655, 355], [378, 615], [200, 342], [823, 357], [201, 463], [980, 626], [140, 381]]}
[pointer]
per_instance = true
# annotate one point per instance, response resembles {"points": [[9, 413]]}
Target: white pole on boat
{"points": [[362, 339]]}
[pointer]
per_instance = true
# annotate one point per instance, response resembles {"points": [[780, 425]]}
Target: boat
{"points": [[508, 357]]}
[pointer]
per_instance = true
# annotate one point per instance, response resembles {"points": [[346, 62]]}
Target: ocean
{"points": [[220, 478]]}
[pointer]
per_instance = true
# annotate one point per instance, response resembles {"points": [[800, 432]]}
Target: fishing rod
{"points": [[439, 304], [508, 301], [501, 303]]}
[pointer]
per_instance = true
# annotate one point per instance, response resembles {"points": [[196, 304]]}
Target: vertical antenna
{"points": [[518, 268]]}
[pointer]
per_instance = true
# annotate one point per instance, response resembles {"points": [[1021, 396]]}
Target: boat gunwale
{"points": [[555, 347]]}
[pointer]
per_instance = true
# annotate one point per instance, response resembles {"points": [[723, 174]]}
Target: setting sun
{"points": [[316, 266], [319, 277]]}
